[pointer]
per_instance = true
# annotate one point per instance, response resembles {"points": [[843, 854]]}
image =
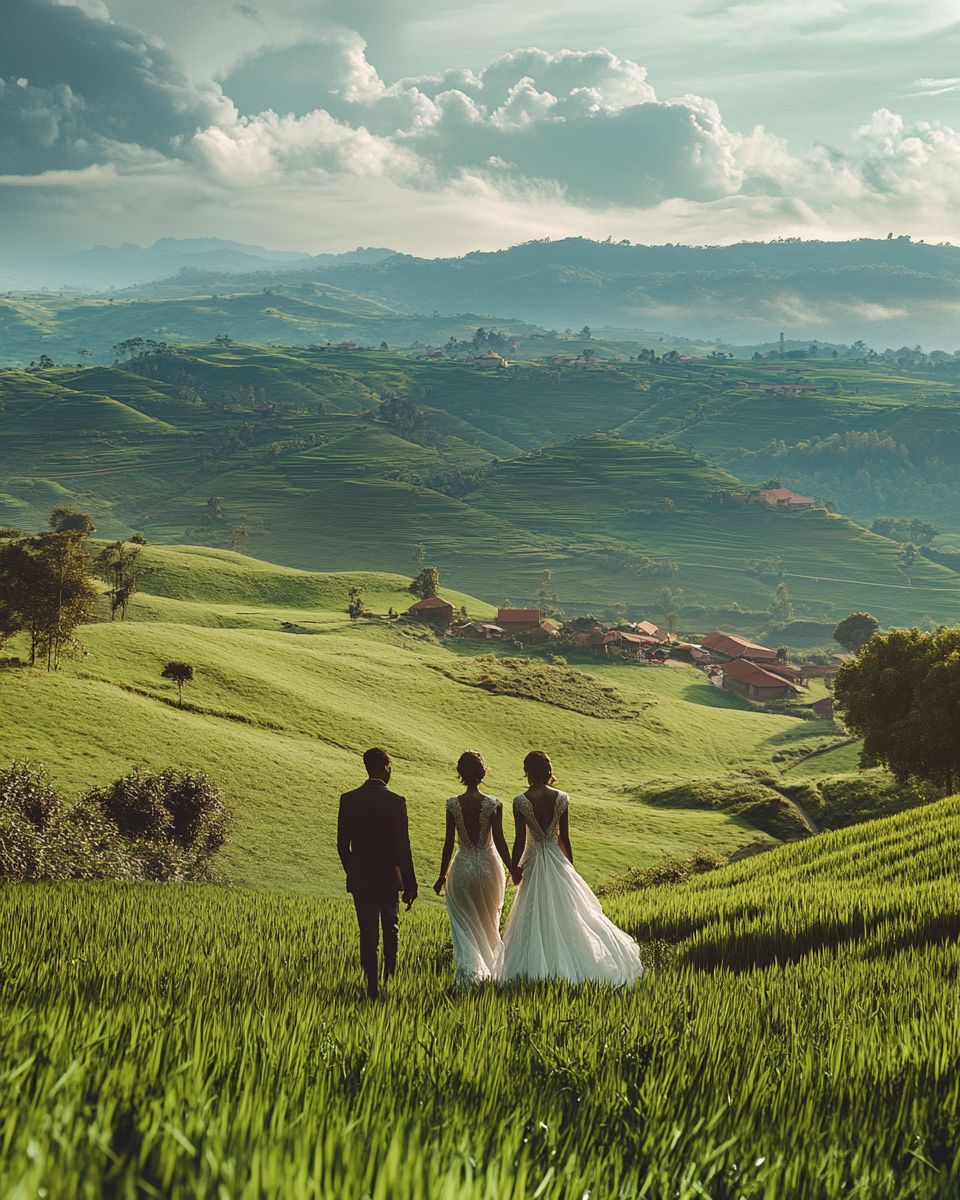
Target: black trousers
{"points": [[375, 913]]}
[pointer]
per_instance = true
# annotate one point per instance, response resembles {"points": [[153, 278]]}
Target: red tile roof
{"points": [[751, 674], [430, 602], [783, 496], [736, 647]]}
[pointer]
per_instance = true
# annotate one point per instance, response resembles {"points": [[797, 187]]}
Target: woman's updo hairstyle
{"points": [[471, 768], [537, 764]]}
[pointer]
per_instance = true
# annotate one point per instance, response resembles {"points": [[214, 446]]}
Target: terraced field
{"points": [[147, 453]]}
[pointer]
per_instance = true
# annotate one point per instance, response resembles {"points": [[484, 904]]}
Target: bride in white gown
{"points": [[474, 883], [557, 929]]}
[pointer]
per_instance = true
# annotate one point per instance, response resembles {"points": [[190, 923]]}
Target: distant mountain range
{"points": [[106, 267], [888, 293]]}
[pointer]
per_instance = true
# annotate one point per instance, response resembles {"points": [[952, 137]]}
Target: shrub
{"points": [[26, 794], [668, 872]]}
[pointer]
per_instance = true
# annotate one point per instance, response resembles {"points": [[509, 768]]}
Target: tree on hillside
{"points": [[238, 535], [547, 597], [673, 621], [117, 564], [64, 519], [46, 592], [902, 696], [783, 654], [856, 630], [418, 553], [771, 484], [781, 608], [355, 605], [905, 529], [426, 584], [180, 673]]}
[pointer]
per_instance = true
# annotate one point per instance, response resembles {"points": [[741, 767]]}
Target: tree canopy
{"points": [[902, 696], [426, 584], [856, 630]]}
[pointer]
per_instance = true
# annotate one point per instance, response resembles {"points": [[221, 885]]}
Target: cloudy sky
{"points": [[439, 128]]}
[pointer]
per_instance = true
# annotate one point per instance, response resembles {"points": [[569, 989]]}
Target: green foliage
{"points": [[355, 606], [752, 799], [118, 565], [729, 1075], [781, 608], [904, 529], [27, 794], [64, 519], [180, 673], [855, 630], [426, 584], [902, 695], [668, 872]]}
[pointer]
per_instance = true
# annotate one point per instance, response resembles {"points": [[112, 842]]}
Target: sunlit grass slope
{"points": [[797, 1037], [289, 693]]}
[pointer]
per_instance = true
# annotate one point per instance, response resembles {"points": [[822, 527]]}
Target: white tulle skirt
{"points": [[474, 891], [557, 929]]}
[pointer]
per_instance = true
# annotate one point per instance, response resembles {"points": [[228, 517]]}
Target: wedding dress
{"points": [[557, 929], [474, 891]]}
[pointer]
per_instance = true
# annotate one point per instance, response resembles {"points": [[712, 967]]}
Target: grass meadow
{"points": [[289, 693], [796, 1037]]}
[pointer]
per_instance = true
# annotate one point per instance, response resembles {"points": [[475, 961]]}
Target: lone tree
{"points": [[418, 553], [64, 519], [426, 584], [781, 607], [856, 630], [180, 673], [117, 564], [902, 696], [238, 535], [355, 605]]}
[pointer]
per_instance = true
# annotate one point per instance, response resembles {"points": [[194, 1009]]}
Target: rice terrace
{"points": [[479, 601]]}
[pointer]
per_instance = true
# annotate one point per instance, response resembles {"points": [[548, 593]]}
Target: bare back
{"points": [[543, 800]]}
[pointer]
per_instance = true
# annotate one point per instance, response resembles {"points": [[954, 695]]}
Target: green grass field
{"points": [[797, 1037], [144, 453], [289, 693]]}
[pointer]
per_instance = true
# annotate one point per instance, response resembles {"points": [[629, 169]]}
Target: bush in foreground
{"points": [[165, 826]]}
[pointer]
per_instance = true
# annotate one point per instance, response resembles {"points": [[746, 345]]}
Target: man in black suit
{"points": [[374, 847]]}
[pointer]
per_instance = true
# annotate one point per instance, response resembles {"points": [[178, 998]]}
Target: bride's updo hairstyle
{"points": [[538, 766], [471, 768]]}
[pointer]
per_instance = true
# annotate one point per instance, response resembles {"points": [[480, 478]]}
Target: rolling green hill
{"points": [[289, 693], [322, 488]]}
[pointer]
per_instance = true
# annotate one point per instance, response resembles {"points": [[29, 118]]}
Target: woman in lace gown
{"points": [[474, 884], [557, 929]]}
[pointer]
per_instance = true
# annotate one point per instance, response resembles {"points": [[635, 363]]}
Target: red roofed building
{"points": [[432, 609], [346, 345], [753, 682], [780, 497], [518, 620], [737, 647], [648, 629]]}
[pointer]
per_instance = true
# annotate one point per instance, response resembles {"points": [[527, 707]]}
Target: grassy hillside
{"points": [[289, 693], [798, 1036], [321, 488]]}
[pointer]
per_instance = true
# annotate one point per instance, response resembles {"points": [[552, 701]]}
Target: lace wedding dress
{"points": [[474, 890], [557, 929]]}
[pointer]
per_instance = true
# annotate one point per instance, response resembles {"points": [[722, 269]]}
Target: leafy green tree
{"points": [[902, 696], [907, 557], [180, 673], [783, 654], [117, 564], [238, 535], [418, 553], [64, 519], [426, 584], [673, 621], [547, 597], [781, 608], [355, 605], [856, 630], [138, 539]]}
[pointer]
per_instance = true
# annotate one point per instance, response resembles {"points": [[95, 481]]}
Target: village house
{"points": [[543, 632], [617, 639], [432, 609], [823, 707], [780, 498], [479, 630], [753, 682], [648, 629], [518, 620], [736, 647]]}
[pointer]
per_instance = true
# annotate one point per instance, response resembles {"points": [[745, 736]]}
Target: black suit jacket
{"points": [[373, 841]]}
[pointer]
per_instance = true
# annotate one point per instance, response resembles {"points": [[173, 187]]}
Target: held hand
{"points": [[408, 899], [438, 886]]}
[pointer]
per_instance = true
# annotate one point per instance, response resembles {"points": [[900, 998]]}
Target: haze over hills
{"points": [[106, 267], [887, 293]]}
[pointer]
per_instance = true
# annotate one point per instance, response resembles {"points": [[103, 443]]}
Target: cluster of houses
{"points": [[748, 670]]}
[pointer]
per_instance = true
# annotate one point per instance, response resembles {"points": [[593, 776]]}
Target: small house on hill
{"points": [[780, 498], [636, 643], [737, 647], [434, 608], [747, 679], [544, 631], [823, 708], [648, 629], [479, 629], [518, 620]]}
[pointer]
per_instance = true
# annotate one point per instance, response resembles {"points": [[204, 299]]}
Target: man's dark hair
{"points": [[375, 760]]}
